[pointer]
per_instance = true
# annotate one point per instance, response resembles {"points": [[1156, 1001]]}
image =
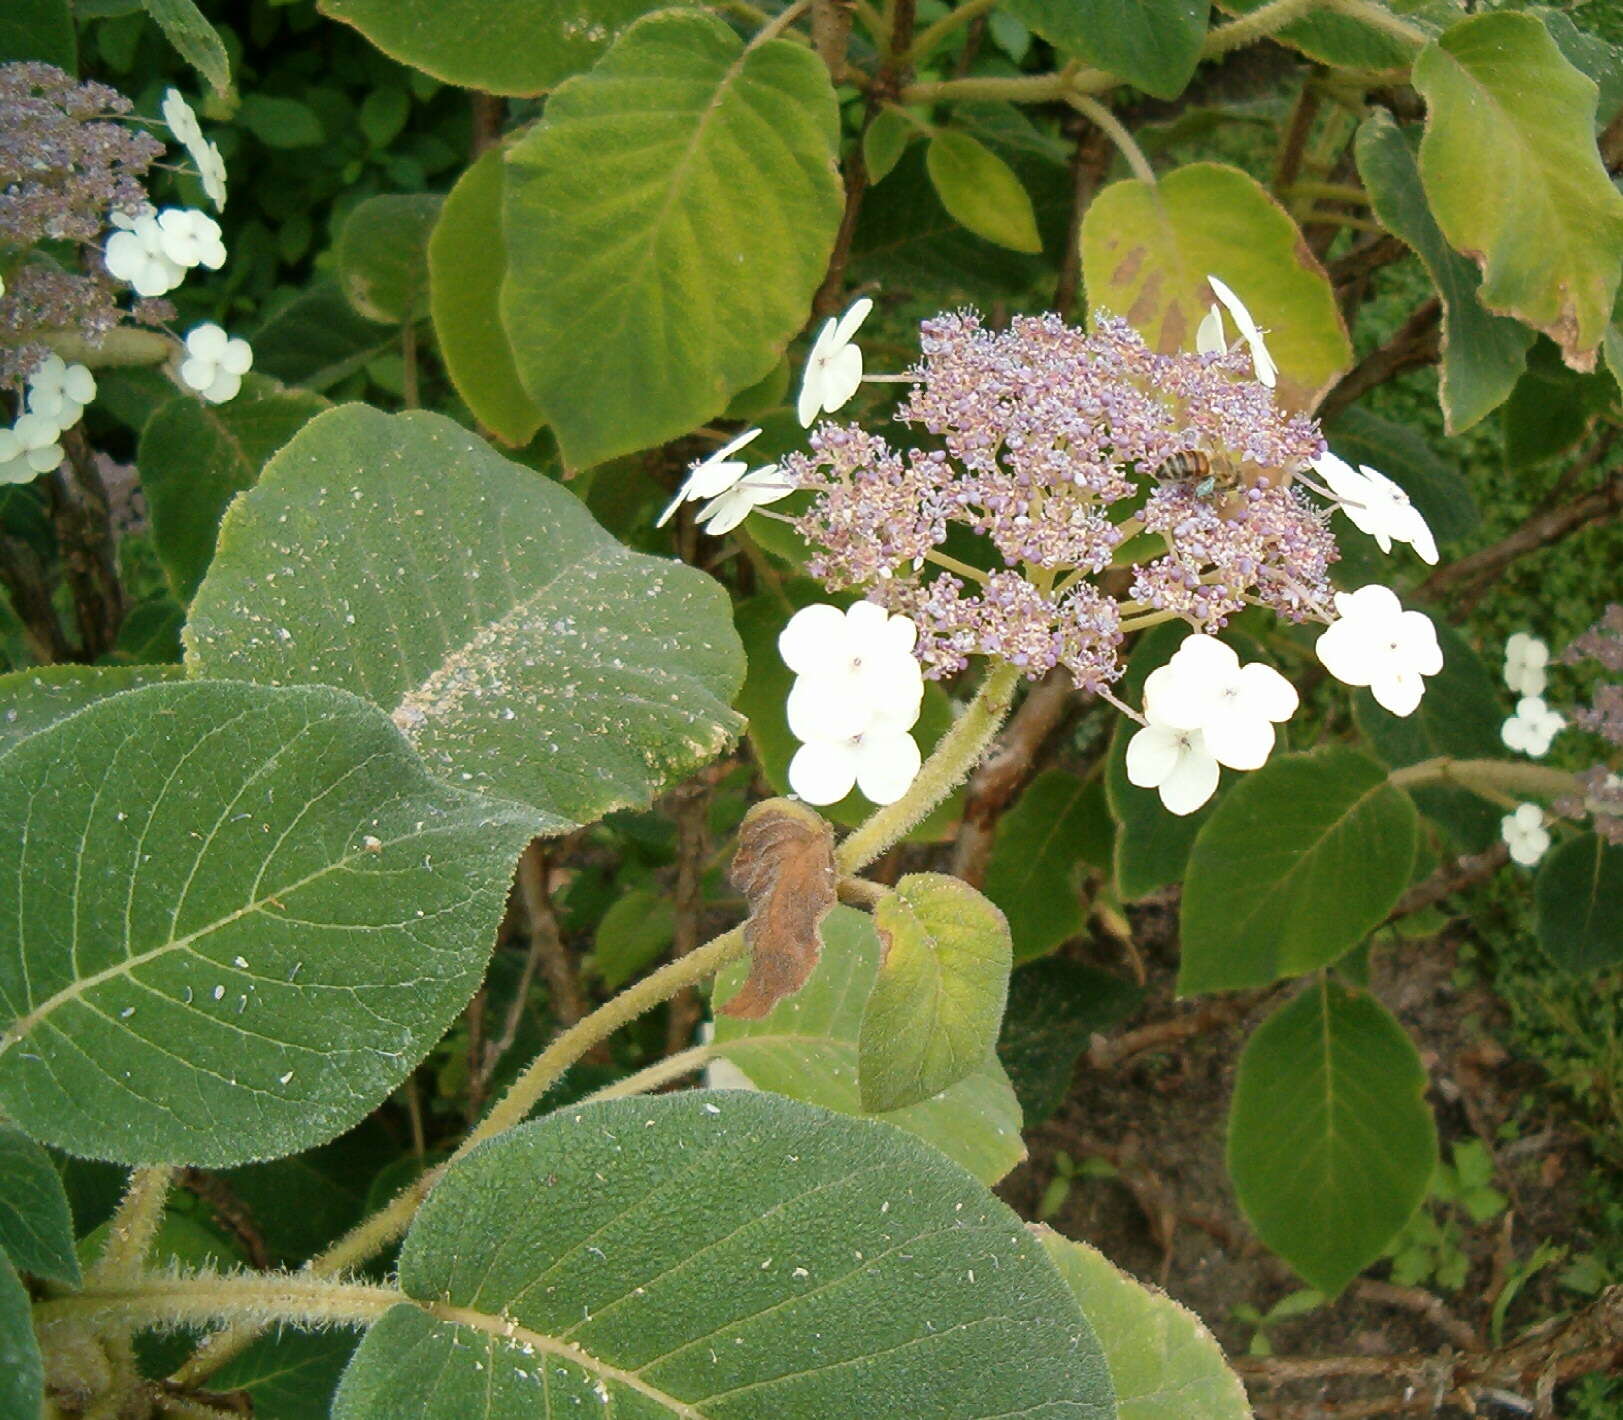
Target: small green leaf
{"points": [[194, 39], [22, 1373], [1330, 1143], [195, 457], [467, 259], [383, 256], [36, 1229], [249, 934], [1148, 249], [1515, 180], [884, 142], [502, 46], [317, 339], [1301, 860], [1060, 822], [937, 1003], [1577, 893], [667, 222], [1553, 408], [40, 30], [806, 1048], [1164, 1363], [34, 700], [280, 122], [287, 1374], [631, 935], [981, 191], [1483, 354], [817, 1266], [1055, 1008], [1152, 44], [544, 662]]}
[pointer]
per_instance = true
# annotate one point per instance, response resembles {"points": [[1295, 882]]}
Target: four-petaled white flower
{"points": [[1204, 687], [834, 367], [1376, 505], [1176, 763], [726, 511], [1525, 834], [1375, 642], [1525, 660], [191, 238], [177, 113], [1532, 728], [28, 449], [59, 392], [857, 693], [1261, 361], [215, 362], [712, 476], [135, 253]]}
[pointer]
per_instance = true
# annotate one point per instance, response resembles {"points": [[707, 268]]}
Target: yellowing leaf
{"points": [[981, 191]]}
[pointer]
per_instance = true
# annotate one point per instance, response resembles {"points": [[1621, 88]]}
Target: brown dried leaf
{"points": [[785, 869]]}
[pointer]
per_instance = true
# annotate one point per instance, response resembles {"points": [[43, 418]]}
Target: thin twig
{"points": [[1107, 1052], [1097, 113], [831, 34], [84, 528], [1288, 162], [690, 806], [27, 583], [133, 1227], [1417, 343], [547, 948], [1090, 159], [1464, 872]]}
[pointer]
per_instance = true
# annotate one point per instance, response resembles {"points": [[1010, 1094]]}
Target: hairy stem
{"points": [[661, 1072], [958, 752], [1378, 17], [934, 34], [1117, 131], [133, 1227], [255, 1298], [1488, 778]]}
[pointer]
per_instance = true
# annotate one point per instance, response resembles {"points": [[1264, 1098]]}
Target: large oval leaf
{"points": [[1299, 862], [520, 648], [504, 46], [1331, 1145], [721, 1255], [196, 457], [1515, 180], [22, 1373], [806, 1048], [1164, 1363], [35, 699], [1148, 249], [1579, 897], [36, 1229], [232, 902], [1483, 354], [667, 223], [467, 259], [932, 1017], [1152, 44]]}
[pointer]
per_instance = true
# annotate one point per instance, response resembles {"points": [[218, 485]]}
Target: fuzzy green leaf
{"points": [[1577, 894], [36, 1229], [194, 39], [1152, 44], [383, 256], [34, 700], [22, 1373], [981, 191]]}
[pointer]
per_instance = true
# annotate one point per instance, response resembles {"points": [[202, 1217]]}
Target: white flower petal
{"points": [[852, 320], [886, 764], [1209, 337], [1152, 754], [1346, 652], [842, 379], [813, 642], [1240, 741], [1398, 691], [826, 709], [823, 773], [238, 358], [1190, 784], [1268, 693]]}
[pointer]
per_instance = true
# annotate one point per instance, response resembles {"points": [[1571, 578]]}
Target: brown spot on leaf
{"points": [[784, 866]]}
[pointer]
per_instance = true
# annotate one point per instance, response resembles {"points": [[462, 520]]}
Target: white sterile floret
{"points": [[59, 392], [1209, 336], [725, 512], [177, 113], [1261, 361], [1525, 660], [882, 763], [1176, 763], [1532, 728], [1525, 834], [135, 253], [215, 363], [1376, 505], [834, 367], [712, 476], [191, 238], [28, 449], [1375, 642], [1204, 687]]}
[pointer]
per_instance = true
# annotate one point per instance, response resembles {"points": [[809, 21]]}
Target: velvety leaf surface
{"points": [[42, 30], [936, 1005], [1514, 178], [503, 46], [721, 1254], [1331, 1145], [289, 1375], [667, 223], [1054, 1009], [537, 659], [1153, 44], [37, 698], [1579, 897], [1302, 858], [1348, 42], [247, 933], [467, 259], [22, 1374], [1147, 251], [196, 457], [981, 191], [1553, 407], [1058, 823], [1483, 354], [36, 1229], [806, 1048], [383, 256], [317, 339], [194, 39], [1164, 1363]]}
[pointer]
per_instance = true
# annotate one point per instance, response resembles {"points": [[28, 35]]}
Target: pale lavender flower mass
{"points": [[1602, 795], [1054, 448]]}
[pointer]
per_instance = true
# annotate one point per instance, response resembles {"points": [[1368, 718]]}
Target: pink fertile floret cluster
{"points": [[1052, 446]]}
